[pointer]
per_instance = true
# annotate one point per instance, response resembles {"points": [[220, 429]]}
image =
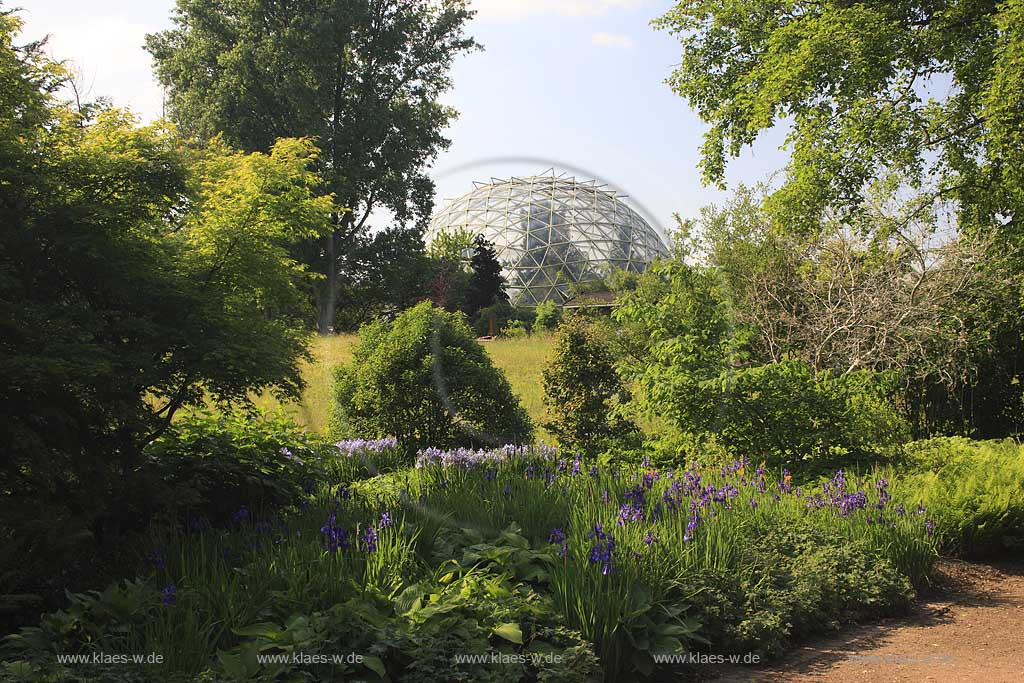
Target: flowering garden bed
{"points": [[548, 566]]}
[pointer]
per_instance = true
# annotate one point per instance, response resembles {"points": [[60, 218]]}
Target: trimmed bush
{"points": [[425, 380]]}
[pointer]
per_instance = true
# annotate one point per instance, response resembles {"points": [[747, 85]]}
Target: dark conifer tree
{"points": [[486, 284]]}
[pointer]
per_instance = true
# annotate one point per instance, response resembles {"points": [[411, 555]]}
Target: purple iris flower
{"points": [[240, 515], [370, 540], [157, 558]]}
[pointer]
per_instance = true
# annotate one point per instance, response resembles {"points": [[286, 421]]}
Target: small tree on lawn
{"points": [[581, 390], [548, 316], [425, 380], [487, 284], [449, 281]]}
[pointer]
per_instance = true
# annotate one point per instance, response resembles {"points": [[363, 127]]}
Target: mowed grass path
{"points": [[522, 361]]}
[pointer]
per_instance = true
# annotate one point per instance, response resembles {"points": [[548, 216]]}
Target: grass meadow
{"points": [[522, 361]]}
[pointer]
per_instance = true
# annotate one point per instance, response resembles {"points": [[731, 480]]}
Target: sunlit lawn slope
{"points": [[522, 361]]}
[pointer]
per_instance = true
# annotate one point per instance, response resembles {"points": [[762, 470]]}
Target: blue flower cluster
{"points": [[156, 557], [336, 538], [557, 537], [603, 551], [241, 515], [370, 540], [198, 525]]}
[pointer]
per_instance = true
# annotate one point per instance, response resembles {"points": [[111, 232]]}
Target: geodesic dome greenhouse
{"points": [[551, 231]]}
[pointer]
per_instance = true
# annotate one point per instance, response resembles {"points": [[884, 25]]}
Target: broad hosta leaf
{"points": [[510, 632]]}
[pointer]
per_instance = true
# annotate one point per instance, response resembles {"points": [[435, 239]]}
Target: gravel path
{"points": [[971, 628]]}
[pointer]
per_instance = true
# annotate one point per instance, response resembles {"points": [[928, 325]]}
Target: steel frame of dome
{"points": [[550, 231]]}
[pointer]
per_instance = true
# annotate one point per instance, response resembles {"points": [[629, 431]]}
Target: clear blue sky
{"points": [[577, 82]]}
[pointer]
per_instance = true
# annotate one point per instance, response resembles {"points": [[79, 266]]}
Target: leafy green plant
{"points": [[974, 491], [503, 314], [583, 391], [212, 464], [514, 329], [425, 380], [548, 315]]}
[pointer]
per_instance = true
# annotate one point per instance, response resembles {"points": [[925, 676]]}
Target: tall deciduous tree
{"points": [[138, 275], [897, 111], [450, 270], [384, 273], [361, 77], [928, 89]]}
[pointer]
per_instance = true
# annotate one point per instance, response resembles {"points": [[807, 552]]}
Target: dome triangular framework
{"points": [[550, 231]]}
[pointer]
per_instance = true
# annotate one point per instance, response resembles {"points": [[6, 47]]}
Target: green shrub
{"points": [[698, 380], [973, 490], [782, 413], [213, 464], [514, 329], [204, 469], [425, 380], [548, 315], [582, 391], [503, 313]]}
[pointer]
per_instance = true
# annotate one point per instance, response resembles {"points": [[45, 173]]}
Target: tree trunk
{"points": [[329, 288]]}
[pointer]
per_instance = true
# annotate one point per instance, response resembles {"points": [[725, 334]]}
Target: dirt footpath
{"points": [[970, 628]]}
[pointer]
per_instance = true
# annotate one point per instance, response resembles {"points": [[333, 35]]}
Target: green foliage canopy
{"points": [[930, 90], [360, 77], [383, 273], [138, 275]]}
